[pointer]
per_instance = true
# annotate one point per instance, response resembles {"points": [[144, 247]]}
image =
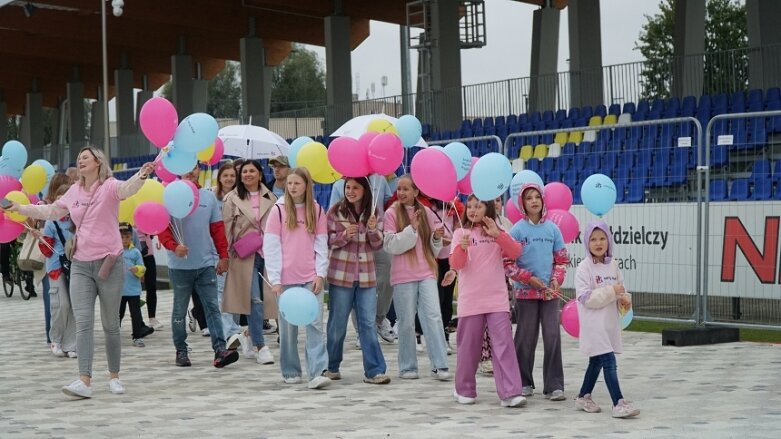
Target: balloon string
{"points": [[42, 241], [265, 280], [461, 223]]}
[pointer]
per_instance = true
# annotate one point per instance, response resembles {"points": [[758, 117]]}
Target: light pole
{"points": [[117, 6]]}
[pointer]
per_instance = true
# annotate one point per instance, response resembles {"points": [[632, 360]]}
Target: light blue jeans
{"points": [[230, 324], [316, 354], [255, 318], [421, 297]]}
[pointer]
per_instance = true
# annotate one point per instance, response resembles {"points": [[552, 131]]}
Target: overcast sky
{"points": [[507, 53]]}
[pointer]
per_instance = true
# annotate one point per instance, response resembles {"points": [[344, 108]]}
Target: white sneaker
{"points": [[153, 322], [319, 382], [441, 374], [358, 344], [419, 346], [292, 380], [384, 331], [556, 395], [72, 354], [463, 399], [409, 375], [234, 342], [116, 387], [78, 390], [246, 347], [264, 356], [57, 350], [515, 401], [527, 391], [206, 332]]}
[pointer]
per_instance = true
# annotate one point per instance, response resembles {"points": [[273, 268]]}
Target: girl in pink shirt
{"points": [[413, 236], [296, 250], [476, 253]]}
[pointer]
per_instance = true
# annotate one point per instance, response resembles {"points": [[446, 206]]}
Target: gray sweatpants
{"points": [[63, 328], [382, 267], [530, 314], [85, 287]]}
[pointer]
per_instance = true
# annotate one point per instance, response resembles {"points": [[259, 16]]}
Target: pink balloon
{"points": [[33, 198], [434, 174], [367, 137], [219, 151], [164, 174], [465, 185], [196, 195], [567, 223], [9, 230], [158, 121], [569, 318], [151, 218], [557, 196], [512, 213], [9, 184], [349, 157], [385, 153]]}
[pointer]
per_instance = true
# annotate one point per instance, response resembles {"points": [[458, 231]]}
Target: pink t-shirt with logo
{"points": [[403, 268], [298, 246], [98, 232]]}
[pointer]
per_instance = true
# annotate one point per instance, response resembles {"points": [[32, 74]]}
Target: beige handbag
{"points": [[30, 256]]}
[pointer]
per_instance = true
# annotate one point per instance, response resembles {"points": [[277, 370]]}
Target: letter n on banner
{"points": [[736, 236]]}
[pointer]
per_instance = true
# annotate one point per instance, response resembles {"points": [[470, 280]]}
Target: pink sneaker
{"points": [[587, 404], [625, 409]]}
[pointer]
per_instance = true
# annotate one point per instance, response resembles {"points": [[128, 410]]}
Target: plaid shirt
{"points": [[351, 257]]}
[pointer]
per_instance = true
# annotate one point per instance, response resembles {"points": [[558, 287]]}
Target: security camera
{"points": [[117, 5]]}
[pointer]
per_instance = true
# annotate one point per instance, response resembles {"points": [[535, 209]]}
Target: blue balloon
{"points": [[10, 169], [178, 161], [410, 130], [524, 177], [627, 318], [49, 174], [15, 153], [491, 176], [461, 157], [196, 132], [295, 147], [299, 306], [178, 199], [598, 194]]}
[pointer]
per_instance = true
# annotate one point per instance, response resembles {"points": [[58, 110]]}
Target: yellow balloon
{"points": [[33, 179], [152, 190], [126, 209], [381, 126], [205, 155], [314, 157], [17, 197]]}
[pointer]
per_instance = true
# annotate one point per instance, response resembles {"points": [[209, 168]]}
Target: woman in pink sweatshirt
{"points": [[93, 205], [476, 253], [413, 236], [600, 291], [295, 246]]}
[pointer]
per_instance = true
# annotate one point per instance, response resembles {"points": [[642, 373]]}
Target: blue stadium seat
{"points": [[561, 115], [615, 109], [739, 191], [643, 106], [512, 119], [677, 175], [533, 165], [570, 177], [499, 121], [755, 95], [777, 173], [773, 94], [573, 114], [738, 102], [547, 116], [523, 119], [762, 189], [629, 107], [586, 112], [620, 189], [719, 156], [718, 190], [488, 122], [535, 117], [636, 192], [600, 111]]}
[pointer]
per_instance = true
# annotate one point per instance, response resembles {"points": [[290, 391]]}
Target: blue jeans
{"points": [[204, 282], [341, 300], [421, 297], [255, 318], [316, 355], [606, 362], [230, 324]]}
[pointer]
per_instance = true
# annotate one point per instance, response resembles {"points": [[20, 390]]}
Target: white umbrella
{"points": [[357, 126], [252, 142]]}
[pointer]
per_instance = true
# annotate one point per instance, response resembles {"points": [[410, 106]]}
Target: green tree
{"points": [[298, 82], [726, 40], [225, 93]]}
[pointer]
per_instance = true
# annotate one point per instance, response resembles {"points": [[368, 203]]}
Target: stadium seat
{"points": [[540, 151], [527, 151], [718, 156], [739, 190], [718, 190], [610, 119], [762, 189], [554, 150], [575, 137], [619, 191], [636, 191], [629, 108], [773, 94], [615, 110], [560, 138], [512, 119], [624, 118]]}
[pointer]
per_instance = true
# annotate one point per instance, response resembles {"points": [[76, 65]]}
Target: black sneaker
{"points": [[224, 358], [146, 330], [182, 360]]}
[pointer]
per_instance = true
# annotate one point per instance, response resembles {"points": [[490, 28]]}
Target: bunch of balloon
{"points": [[20, 184]]}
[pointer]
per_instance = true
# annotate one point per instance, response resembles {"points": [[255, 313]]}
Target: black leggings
{"points": [[150, 283], [134, 306]]}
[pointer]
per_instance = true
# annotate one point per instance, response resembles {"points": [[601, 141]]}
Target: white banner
{"points": [[655, 246]]}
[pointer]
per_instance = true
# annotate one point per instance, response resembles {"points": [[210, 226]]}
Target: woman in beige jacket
{"points": [[244, 212]]}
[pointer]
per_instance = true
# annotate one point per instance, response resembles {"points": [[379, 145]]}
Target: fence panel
{"points": [[742, 214]]}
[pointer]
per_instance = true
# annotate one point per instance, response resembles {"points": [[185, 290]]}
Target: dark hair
{"points": [[58, 180], [125, 228], [490, 211], [220, 192], [241, 190], [346, 208]]}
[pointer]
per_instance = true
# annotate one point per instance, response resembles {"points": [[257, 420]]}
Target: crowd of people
{"points": [[385, 253]]}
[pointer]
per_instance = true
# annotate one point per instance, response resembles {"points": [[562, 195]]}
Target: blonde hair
{"points": [[309, 202], [104, 169], [424, 228]]}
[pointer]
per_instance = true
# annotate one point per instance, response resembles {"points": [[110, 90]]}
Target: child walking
{"points": [[413, 237], [296, 249], [539, 273], [477, 253], [600, 293], [131, 290]]}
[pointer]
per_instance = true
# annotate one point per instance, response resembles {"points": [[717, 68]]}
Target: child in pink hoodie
{"points": [[600, 293], [476, 253]]}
